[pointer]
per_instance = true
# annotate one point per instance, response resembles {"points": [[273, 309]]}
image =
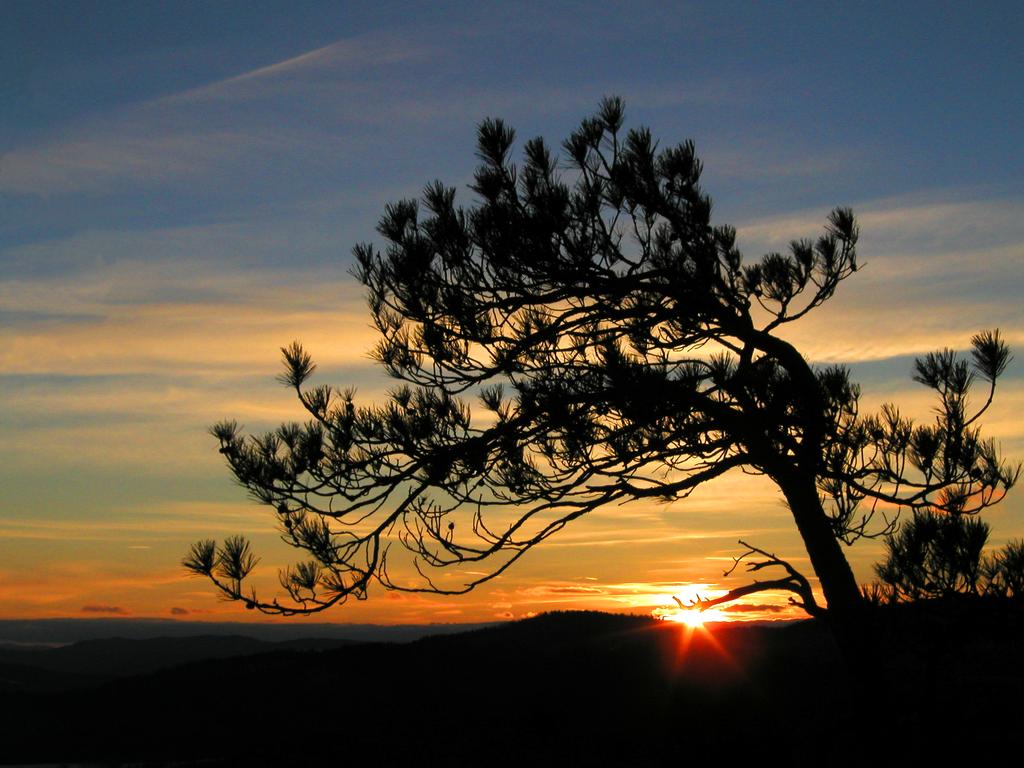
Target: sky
{"points": [[181, 185]]}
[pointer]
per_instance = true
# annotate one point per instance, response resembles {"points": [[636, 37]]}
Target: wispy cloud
{"points": [[340, 58], [94, 159], [934, 273], [71, 586], [109, 303], [160, 521], [195, 132], [317, 109], [753, 608], [112, 609], [906, 227], [185, 338]]}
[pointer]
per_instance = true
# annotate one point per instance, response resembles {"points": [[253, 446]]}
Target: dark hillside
{"points": [[560, 689], [91, 662]]}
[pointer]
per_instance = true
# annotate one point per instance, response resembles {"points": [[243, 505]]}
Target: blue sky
{"points": [[181, 185]]}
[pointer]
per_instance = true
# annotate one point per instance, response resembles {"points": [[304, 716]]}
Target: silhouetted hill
{"points": [[559, 689], [93, 661], [15, 677], [24, 633]]}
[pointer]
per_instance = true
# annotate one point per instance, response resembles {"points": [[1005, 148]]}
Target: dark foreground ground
{"points": [[944, 683]]}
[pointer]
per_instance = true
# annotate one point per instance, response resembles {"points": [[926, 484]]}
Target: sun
{"points": [[688, 613], [695, 618], [690, 617]]}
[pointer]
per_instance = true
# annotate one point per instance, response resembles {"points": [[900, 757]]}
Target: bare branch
{"points": [[794, 582]]}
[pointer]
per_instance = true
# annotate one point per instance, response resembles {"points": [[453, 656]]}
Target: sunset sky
{"points": [[181, 185]]}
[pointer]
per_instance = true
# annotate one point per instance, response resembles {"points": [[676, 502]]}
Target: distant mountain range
{"points": [[92, 662], [559, 689], [50, 632]]}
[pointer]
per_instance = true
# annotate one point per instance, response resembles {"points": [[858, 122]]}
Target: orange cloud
{"points": [[115, 609]]}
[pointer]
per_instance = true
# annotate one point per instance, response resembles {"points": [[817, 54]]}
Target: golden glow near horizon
{"points": [[689, 613], [691, 617], [113, 476]]}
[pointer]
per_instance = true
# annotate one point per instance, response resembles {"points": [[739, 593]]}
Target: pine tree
{"points": [[619, 348]]}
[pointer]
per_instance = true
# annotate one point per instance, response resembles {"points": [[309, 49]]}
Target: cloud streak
{"points": [[111, 609], [196, 132], [937, 271], [344, 57]]}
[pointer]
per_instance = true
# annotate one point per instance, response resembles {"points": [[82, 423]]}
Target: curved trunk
{"points": [[796, 478], [837, 581], [847, 616]]}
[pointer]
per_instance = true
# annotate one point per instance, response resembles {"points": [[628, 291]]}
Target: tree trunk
{"points": [[850, 623], [796, 479], [837, 581]]}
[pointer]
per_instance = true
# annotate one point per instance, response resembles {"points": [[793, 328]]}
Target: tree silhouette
{"points": [[620, 349], [934, 555]]}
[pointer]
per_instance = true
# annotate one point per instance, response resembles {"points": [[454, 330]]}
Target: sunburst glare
{"points": [[687, 611], [694, 617]]}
